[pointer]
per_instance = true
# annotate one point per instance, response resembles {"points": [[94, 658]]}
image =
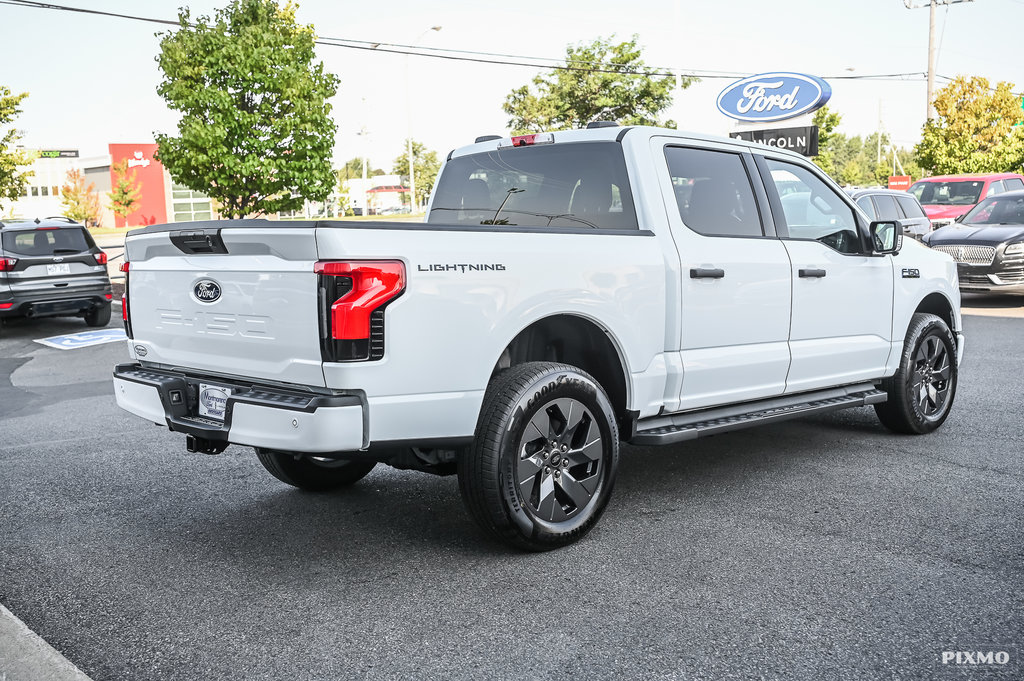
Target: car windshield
{"points": [[999, 210], [948, 193], [570, 186], [46, 242]]}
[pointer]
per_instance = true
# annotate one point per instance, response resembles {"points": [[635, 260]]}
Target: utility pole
{"points": [[413, 204], [366, 162], [879, 157], [932, 47]]}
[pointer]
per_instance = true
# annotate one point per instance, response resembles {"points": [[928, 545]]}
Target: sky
{"points": [[92, 80]]}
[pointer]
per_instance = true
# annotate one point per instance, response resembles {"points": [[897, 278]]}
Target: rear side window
{"points": [[713, 192], [911, 208], [1013, 183], [887, 209], [582, 185], [869, 208], [47, 241]]}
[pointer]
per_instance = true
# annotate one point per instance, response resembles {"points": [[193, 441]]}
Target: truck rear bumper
{"points": [[256, 416]]}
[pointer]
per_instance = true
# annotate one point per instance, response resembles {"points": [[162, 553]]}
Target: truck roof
{"points": [[969, 176], [617, 133]]}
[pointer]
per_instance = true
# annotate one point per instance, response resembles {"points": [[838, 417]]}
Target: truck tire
{"points": [[98, 316], [313, 474], [922, 390], [543, 461]]}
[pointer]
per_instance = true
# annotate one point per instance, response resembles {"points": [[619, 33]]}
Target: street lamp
{"points": [[366, 161], [408, 105]]}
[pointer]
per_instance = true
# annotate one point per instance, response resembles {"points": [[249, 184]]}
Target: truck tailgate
{"points": [[249, 312]]}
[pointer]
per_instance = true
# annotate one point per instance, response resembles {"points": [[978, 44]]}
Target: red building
{"points": [[151, 178]]}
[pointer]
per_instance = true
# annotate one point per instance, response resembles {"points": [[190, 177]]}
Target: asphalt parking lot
{"points": [[824, 548]]}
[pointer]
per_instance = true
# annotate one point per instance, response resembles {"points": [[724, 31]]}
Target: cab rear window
{"points": [[570, 186], [47, 241]]}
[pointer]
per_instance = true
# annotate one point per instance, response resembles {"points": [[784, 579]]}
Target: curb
{"points": [[24, 656]]}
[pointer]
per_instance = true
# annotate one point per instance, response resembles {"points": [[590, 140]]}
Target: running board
{"points": [[692, 425]]}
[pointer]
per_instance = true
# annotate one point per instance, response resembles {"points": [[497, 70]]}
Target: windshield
{"points": [[582, 185], [999, 210], [952, 193], [47, 241]]}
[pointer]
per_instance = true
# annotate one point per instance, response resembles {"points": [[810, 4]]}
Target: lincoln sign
{"points": [[801, 140], [773, 97]]}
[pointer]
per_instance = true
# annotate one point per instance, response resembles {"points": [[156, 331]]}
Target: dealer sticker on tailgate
{"points": [[212, 400]]}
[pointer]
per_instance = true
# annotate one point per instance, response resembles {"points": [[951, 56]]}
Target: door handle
{"points": [[710, 273], [812, 273]]}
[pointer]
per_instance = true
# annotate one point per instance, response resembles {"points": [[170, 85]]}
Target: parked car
{"points": [[947, 197], [568, 291], [53, 267], [886, 204], [987, 244]]}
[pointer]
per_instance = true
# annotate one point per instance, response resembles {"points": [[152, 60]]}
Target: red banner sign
{"points": [[899, 182]]}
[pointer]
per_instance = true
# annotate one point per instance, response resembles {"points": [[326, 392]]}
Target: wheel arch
{"points": [[581, 342], [938, 304]]}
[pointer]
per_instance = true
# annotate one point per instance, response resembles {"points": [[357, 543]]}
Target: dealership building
{"points": [[160, 199], [163, 200]]}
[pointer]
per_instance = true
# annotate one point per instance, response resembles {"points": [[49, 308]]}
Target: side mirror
{"points": [[886, 237]]}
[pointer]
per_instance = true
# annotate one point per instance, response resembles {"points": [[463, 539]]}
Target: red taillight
{"points": [[124, 267], [7, 264], [374, 283], [109, 296], [527, 140], [101, 258], [6, 306]]}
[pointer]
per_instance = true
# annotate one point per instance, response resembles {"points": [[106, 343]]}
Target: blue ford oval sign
{"points": [[206, 290], [773, 96]]}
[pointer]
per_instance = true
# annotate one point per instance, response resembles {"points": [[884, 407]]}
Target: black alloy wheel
{"points": [[921, 393], [542, 465]]}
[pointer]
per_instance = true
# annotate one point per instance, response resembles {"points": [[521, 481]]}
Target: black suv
{"points": [[53, 267]]}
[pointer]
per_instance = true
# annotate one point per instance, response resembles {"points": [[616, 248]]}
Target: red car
{"points": [[947, 197]]}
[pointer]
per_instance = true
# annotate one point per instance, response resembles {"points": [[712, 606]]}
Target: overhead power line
{"points": [[498, 59]]}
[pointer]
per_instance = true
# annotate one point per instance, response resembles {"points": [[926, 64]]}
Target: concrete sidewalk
{"points": [[24, 656]]}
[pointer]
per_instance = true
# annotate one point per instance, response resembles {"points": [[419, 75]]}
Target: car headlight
{"points": [[941, 223], [1015, 249]]}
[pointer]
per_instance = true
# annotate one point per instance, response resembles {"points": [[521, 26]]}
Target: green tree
{"points": [[353, 170], [343, 198], [127, 191], [255, 131], [14, 171], [827, 121], [427, 166], [80, 202], [602, 81], [977, 129]]}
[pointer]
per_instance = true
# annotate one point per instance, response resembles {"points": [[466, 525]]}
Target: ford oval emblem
{"points": [[206, 291], [773, 96]]}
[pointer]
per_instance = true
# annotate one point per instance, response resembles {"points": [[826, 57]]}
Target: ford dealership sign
{"points": [[773, 96]]}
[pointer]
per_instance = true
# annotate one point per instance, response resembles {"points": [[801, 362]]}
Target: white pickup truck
{"points": [[568, 291]]}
